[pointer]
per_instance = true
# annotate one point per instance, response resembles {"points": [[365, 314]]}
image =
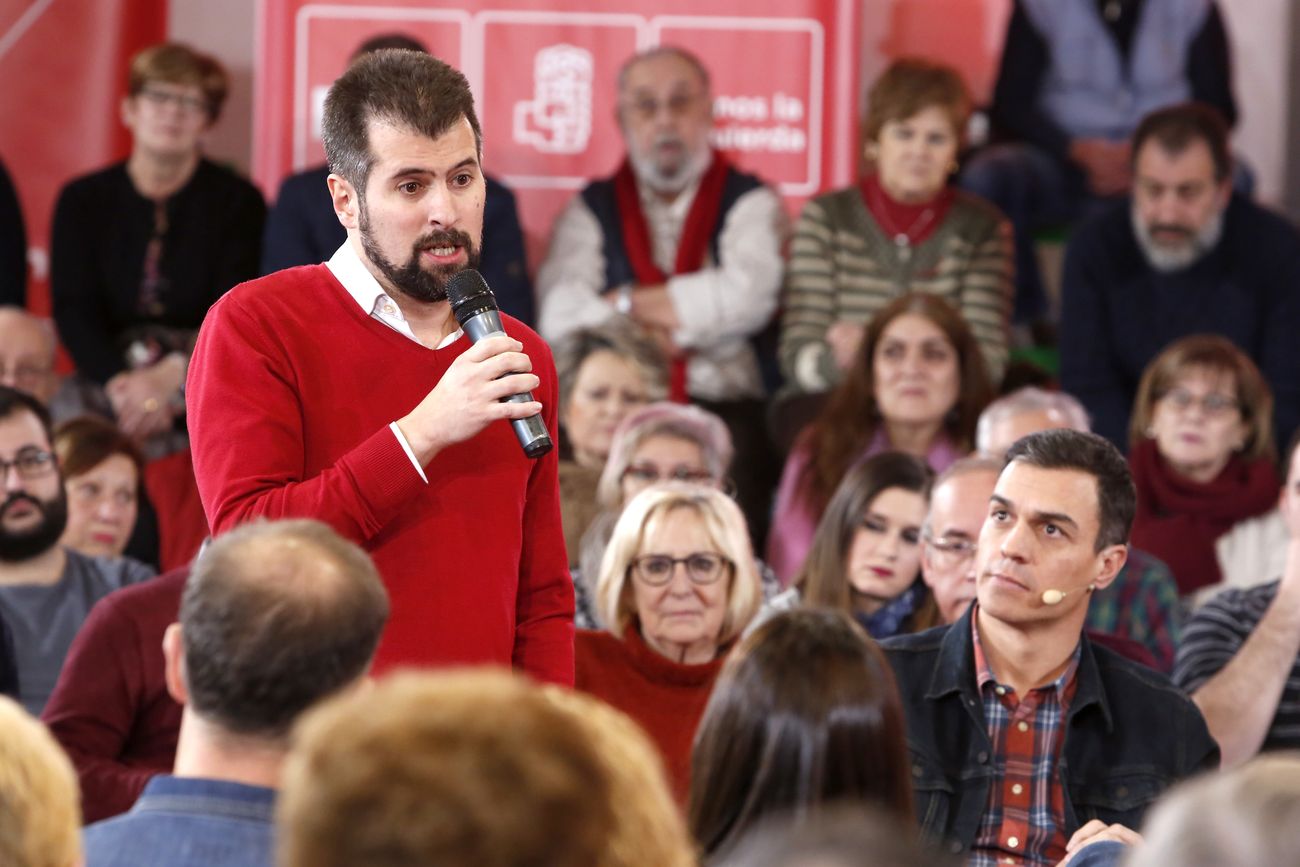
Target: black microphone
{"points": [[475, 308]]}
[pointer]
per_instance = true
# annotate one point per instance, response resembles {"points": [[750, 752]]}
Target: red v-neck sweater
{"points": [[291, 391]]}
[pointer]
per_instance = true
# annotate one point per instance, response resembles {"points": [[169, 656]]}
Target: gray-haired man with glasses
{"points": [[46, 591], [959, 501]]}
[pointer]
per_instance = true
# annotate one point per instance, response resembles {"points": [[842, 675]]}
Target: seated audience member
{"points": [[27, 348], [39, 821], [1184, 256], [1202, 453], [903, 229], [1240, 655], [13, 245], [1076, 78], [677, 586], [1021, 730], [685, 245], [841, 835], [805, 714], [46, 590], [866, 555], [274, 617], [102, 471], [661, 442], [302, 228], [1245, 817], [1141, 606], [130, 292], [917, 385], [603, 374], [475, 768], [110, 709]]}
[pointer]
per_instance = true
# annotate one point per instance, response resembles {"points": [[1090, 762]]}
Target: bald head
{"points": [[27, 347]]}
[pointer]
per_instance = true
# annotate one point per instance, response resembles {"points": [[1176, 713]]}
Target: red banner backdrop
{"points": [[785, 83], [63, 64]]}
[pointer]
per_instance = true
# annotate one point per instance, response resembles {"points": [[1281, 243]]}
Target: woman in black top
{"points": [[141, 249]]}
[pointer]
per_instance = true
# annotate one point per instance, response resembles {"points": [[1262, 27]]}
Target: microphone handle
{"points": [[531, 432]]}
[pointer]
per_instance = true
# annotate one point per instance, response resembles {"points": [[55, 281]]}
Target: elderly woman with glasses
{"points": [[677, 586], [1202, 455], [140, 250]]}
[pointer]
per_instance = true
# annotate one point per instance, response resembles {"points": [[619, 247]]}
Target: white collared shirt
{"points": [[348, 269]]}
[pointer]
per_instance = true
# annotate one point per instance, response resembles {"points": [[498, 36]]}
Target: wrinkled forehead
{"points": [[659, 73], [960, 503], [21, 336]]}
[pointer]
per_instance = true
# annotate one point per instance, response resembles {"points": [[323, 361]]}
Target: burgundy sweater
{"points": [[291, 391], [110, 709], [666, 698]]}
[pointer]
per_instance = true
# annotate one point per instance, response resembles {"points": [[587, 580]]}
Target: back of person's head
{"points": [[997, 427], [409, 90], [474, 769], [382, 41], [1080, 451], [1245, 817], [1176, 127], [275, 617], [40, 805], [805, 713], [177, 63], [845, 835]]}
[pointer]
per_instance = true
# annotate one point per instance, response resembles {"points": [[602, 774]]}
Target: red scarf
{"points": [[1179, 520], [691, 247], [899, 218]]}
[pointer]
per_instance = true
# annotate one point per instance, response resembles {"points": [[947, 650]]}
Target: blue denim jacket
{"points": [[1129, 735], [188, 822]]}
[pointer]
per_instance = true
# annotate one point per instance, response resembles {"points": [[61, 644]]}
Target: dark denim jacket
{"points": [[1130, 734]]}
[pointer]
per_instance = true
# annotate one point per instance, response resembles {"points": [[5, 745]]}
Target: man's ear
{"points": [[174, 664], [347, 207], [1109, 560]]}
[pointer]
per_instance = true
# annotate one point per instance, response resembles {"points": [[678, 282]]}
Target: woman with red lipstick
{"points": [[1201, 453], [917, 385], [902, 229], [102, 472]]}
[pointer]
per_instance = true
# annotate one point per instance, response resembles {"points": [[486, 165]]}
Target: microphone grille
{"points": [[469, 294]]}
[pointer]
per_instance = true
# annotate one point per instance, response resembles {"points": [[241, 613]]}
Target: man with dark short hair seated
{"points": [[1029, 742], [1184, 255], [275, 617]]}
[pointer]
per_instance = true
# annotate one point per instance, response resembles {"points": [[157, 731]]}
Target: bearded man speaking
{"points": [[46, 591], [347, 392]]}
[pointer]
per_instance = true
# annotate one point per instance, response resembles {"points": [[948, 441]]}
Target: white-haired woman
{"points": [[677, 586]]}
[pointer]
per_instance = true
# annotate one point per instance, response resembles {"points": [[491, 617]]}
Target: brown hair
{"points": [[1176, 127], [85, 442], [849, 420], [177, 63], [804, 713], [910, 85], [40, 806], [822, 579], [477, 768], [1218, 355]]}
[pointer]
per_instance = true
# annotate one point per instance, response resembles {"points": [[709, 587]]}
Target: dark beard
{"points": [[16, 547], [411, 279]]}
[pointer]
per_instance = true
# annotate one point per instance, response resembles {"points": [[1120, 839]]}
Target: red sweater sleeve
{"points": [[248, 439], [544, 604]]}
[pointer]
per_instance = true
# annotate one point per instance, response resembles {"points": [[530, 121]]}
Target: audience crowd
{"points": [[990, 624]]}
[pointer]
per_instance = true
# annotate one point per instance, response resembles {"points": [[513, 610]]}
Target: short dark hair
{"points": [[806, 712], [842, 835], [275, 616], [13, 400], [178, 63], [1176, 127], [408, 89], [1063, 449], [388, 40]]}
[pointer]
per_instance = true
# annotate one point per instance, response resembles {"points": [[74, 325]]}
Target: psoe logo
{"points": [[557, 120]]}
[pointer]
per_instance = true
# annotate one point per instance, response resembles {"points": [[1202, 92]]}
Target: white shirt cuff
{"points": [[406, 447]]}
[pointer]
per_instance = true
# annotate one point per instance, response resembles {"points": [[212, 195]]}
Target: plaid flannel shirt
{"points": [[1142, 605], [1022, 823]]}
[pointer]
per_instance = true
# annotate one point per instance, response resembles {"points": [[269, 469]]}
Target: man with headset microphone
{"points": [[1028, 741]]}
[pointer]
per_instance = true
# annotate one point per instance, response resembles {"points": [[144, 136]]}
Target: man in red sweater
{"points": [[346, 391]]}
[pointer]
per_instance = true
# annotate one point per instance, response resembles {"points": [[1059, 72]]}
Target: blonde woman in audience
{"points": [[604, 373], [677, 586], [1201, 452], [901, 229], [102, 470], [917, 385], [474, 769], [40, 814]]}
